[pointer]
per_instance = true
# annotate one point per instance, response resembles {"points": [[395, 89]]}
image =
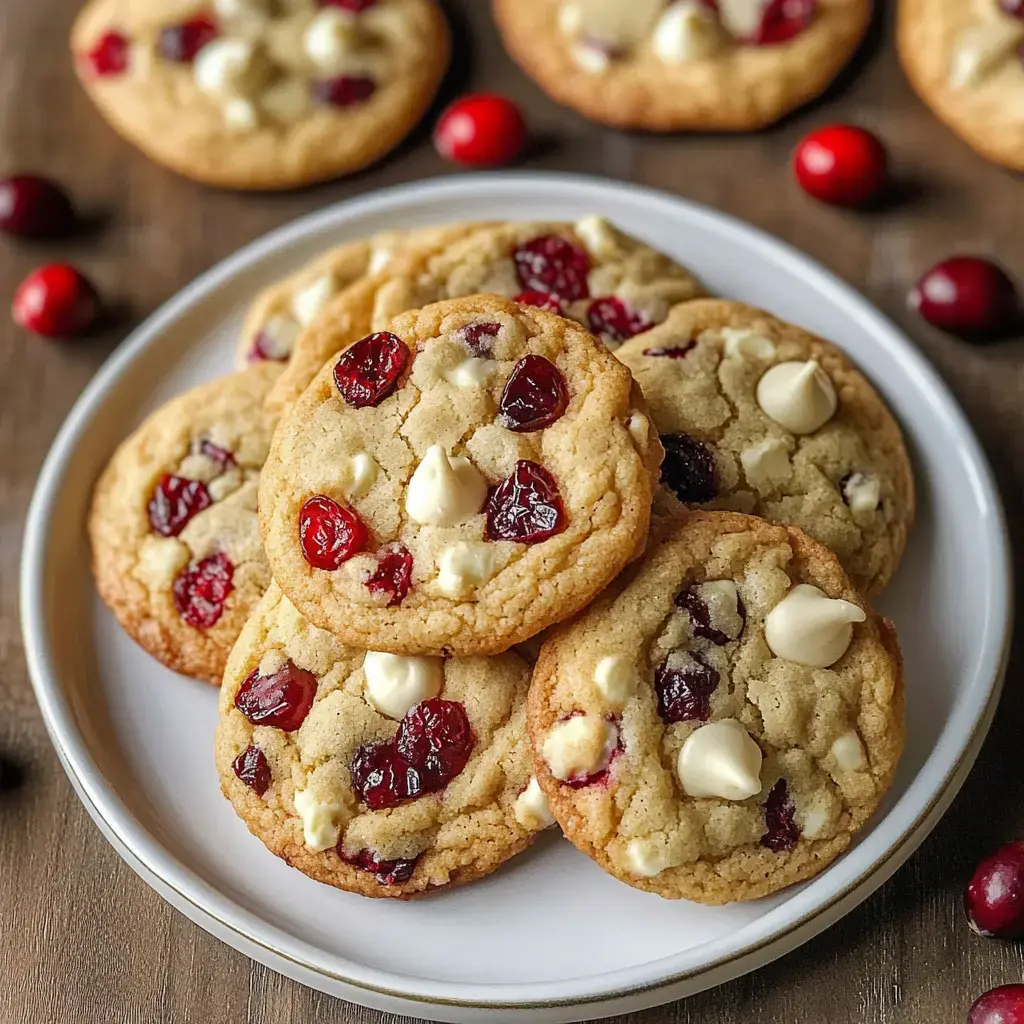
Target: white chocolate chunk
{"points": [[531, 808], [358, 475], [227, 67], [580, 746], [241, 115], [617, 24], [463, 567], [394, 683], [616, 679], [330, 38], [686, 31], [570, 19], [598, 236], [980, 49], [444, 491], [810, 628], [639, 428], [848, 752], [743, 343], [741, 18], [321, 820], [721, 760], [798, 396], [279, 336], [589, 58], [647, 857], [380, 257], [287, 100], [160, 560], [766, 464], [862, 492], [307, 302], [471, 373]]}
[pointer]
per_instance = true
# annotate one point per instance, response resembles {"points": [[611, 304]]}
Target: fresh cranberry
{"points": [[1003, 1005], [281, 700], [478, 337], [700, 617], [221, 456], [252, 768], [382, 778], [201, 590], [109, 56], [967, 295], [55, 301], [688, 468], [841, 164], [994, 898], [526, 506], [182, 42], [348, 5], [781, 829], [387, 872], [684, 691], [542, 300], [344, 91], [782, 20], [329, 533], [612, 320], [393, 575], [550, 263], [535, 395], [1015, 8], [368, 371], [482, 130], [680, 352], [34, 207], [174, 501], [436, 737]]}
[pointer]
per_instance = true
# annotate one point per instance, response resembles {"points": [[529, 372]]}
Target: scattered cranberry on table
{"points": [[34, 207], [1003, 1005], [967, 295], [994, 898], [841, 164], [481, 130], [56, 301]]}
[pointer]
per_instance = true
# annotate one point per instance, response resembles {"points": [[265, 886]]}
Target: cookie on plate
{"points": [[724, 720], [262, 94], [176, 546], [965, 59], [612, 283], [674, 65], [759, 416], [382, 775], [459, 482]]}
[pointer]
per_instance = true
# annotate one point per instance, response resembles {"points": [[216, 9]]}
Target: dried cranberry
{"points": [[436, 737], [684, 690], [782, 20], [329, 533], [281, 700], [34, 207], [680, 352], [688, 469], [252, 768], [109, 56], [368, 372], [344, 91], [387, 872], [477, 337], [201, 590], [221, 456], [393, 575], [700, 616], [175, 500], [552, 264], [382, 778], [535, 395], [526, 506], [182, 42], [348, 5], [542, 300], [781, 829], [612, 320]]}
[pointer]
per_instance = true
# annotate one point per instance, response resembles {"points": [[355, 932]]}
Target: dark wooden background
{"points": [[81, 937]]}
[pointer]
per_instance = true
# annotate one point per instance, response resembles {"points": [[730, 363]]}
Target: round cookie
{"points": [[965, 59], [176, 546], [261, 94], [312, 745], [749, 425], [460, 482], [687, 65], [725, 718], [610, 282]]}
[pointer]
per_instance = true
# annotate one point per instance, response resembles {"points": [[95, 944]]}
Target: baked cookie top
{"points": [[721, 722], [613, 284], [382, 775], [459, 482], [759, 416], [669, 65], [176, 546], [261, 94], [965, 59]]}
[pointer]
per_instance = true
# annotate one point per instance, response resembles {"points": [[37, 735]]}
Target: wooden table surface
{"points": [[81, 937]]}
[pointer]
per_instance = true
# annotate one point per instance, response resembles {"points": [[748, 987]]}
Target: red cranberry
{"points": [[535, 395], [282, 700], [56, 302], [688, 468], [782, 20], [264, 349], [680, 352], [550, 263], [387, 872], [329, 533], [348, 5], [344, 91], [252, 768], [967, 295], [526, 506], [700, 617], [435, 736], [381, 778], [109, 56], [1003, 1005], [174, 501], [1015, 8], [994, 898], [482, 130], [612, 320], [393, 575], [684, 690], [841, 164], [201, 590], [34, 207], [781, 829], [368, 371], [478, 337], [182, 42], [542, 300], [221, 456]]}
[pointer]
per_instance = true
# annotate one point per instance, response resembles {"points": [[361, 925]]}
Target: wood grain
{"points": [[83, 939]]}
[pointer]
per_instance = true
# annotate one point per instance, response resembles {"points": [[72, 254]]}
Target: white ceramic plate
{"points": [[550, 937]]}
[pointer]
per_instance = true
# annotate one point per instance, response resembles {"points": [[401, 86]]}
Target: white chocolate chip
{"points": [[279, 336], [980, 49], [471, 373], [321, 820], [743, 343], [444, 491], [330, 38], [639, 428], [598, 236], [722, 600], [160, 561], [570, 19], [766, 464], [358, 475], [531, 808], [464, 566], [590, 58], [810, 628], [862, 492], [814, 814], [287, 100], [798, 396], [580, 746], [686, 31], [307, 302], [240, 115], [226, 68], [380, 257], [848, 752], [647, 857], [616, 679], [720, 759], [741, 18], [394, 683]]}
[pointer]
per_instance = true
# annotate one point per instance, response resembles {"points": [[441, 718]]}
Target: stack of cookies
{"points": [[504, 525]]}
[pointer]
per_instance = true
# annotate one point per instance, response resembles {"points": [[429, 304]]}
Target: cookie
{"points": [[688, 65], [261, 94], [965, 59], [176, 546], [458, 483], [610, 282], [382, 775], [759, 416], [725, 718]]}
